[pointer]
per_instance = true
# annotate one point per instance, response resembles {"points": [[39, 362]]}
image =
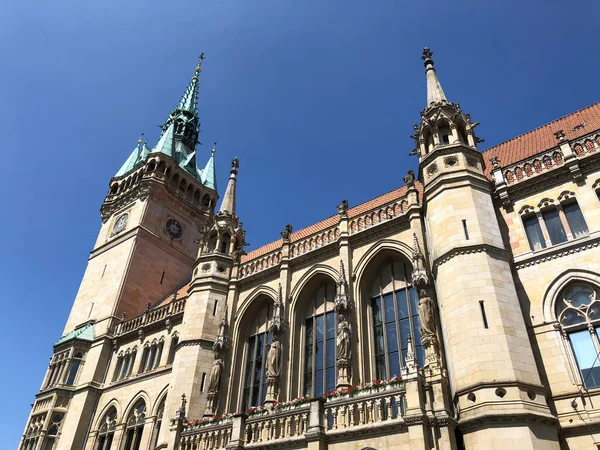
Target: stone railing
{"points": [[260, 264], [314, 241], [586, 145], [206, 437], [151, 316], [292, 426], [378, 215], [381, 406], [533, 166]]}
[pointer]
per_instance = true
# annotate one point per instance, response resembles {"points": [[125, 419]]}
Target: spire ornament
{"points": [[343, 300], [420, 274], [435, 93]]}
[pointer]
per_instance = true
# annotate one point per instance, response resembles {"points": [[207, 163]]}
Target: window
{"points": [[394, 305], [319, 342], [75, 363], [53, 431], [135, 426], [578, 312], [106, 432], [555, 228], [159, 416], [575, 219], [118, 367], [255, 380], [173, 348], [534, 233]]}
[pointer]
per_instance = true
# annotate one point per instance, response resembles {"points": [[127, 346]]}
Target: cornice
{"points": [[557, 251], [468, 250], [471, 424], [137, 378]]}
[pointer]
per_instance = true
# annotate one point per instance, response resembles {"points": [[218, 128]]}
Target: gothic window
{"points": [[33, 433], [106, 432], [555, 228], [127, 364], [575, 219], [118, 367], [394, 306], [53, 430], [172, 348], [319, 342], [74, 368], [158, 423], [135, 426], [225, 244], [534, 232], [255, 380], [578, 312]]}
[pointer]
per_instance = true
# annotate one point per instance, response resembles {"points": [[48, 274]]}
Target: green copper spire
{"points": [[189, 101], [165, 143], [137, 156], [209, 177]]}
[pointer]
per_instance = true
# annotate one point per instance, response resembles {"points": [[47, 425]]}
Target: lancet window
{"points": [[172, 348], [151, 356], [319, 342], [395, 313], [53, 429], [158, 423], [578, 313], [135, 426], [257, 348], [74, 368], [106, 432]]}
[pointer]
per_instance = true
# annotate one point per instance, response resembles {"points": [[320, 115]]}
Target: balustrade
{"points": [[151, 316]]}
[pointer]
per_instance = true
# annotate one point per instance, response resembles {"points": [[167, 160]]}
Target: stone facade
{"points": [[426, 318]]}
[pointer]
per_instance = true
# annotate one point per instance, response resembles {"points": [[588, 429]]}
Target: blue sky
{"points": [[316, 98]]}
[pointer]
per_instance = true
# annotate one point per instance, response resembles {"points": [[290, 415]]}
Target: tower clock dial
{"points": [[120, 223], [174, 229]]}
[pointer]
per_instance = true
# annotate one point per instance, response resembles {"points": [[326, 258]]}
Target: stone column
{"points": [[315, 433], [238, 436]]}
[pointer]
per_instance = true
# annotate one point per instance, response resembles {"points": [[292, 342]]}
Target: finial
{"points": [[198, 67], [427, 54], [141, 137], [214, 149], [495, 162], [235, 164], [560, 135]]}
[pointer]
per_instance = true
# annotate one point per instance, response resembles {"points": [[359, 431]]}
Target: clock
{"points": [[120, 223], [174, 229]]}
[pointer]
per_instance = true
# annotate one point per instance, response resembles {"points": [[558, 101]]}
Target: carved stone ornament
{"points": [[343, 300], [409, 179], [450, 161], [214, 383], [221, 340], [432, 169], [420, 274], [343, 208], [277, 321], [180, 413], [343, 352], [286, 233]]}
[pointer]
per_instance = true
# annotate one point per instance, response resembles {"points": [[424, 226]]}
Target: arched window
{"points": [[135, 426], [394, 306], [173, 348], [319, 342], [106, 432], [578, 312], [53, 430], [259, 341], [145, 356], [225, 244], [74, 368], [159, 416], [118, 367]]}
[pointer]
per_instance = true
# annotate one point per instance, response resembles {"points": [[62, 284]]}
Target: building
{"points": [[457, 311]]}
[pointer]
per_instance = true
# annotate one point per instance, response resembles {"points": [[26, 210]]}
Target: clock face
{"points": [[174, 228], [121, 223]]}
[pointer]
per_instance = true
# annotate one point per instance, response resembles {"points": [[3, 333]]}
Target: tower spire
{"points": [[189, 101], [228, 203], [209, 174], [435, 93]]}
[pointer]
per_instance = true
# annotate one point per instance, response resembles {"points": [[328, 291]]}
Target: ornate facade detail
{"points": [[343, 299], [286, 233], [343, 209], [420, 274], [343, 352]]}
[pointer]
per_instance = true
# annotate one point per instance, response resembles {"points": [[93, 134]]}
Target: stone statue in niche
{"points": [[343, 339], [274, 358], [426, 314], [214, 380]]}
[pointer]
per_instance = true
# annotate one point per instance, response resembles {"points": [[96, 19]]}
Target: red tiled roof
{"points": [[542, 138], [331, 221]]}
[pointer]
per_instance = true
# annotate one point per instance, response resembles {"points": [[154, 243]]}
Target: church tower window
{"points": [[394, 305], [578, 312], [74, 368], [255, 380], [319, 343]]}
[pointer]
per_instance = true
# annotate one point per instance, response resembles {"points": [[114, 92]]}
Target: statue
{"points": [[409, 179], [214, 380], [343, 208], [274, 358], [343, 339], [426, 314], [287, 232]]}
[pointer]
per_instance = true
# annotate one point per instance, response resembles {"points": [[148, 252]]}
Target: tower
{"points": [[199, 362], [157, 203], [492, 370]]}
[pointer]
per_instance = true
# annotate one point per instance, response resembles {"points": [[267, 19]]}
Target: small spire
{"points": [[228, 203], [134, 158], [165, 143], [435, 93], [209, 174]]}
